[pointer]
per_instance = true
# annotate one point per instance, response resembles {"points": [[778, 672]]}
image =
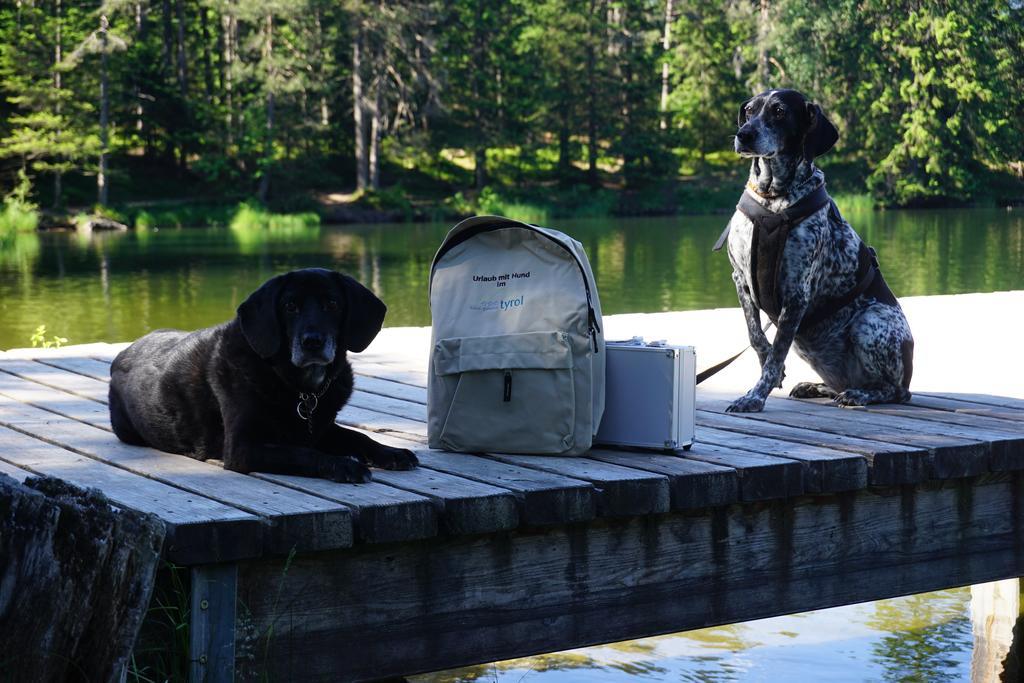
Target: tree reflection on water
{"points": [[116, 287]]}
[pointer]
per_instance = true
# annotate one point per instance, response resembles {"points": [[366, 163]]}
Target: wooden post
{"points": [[995, 610], [212, 639]]}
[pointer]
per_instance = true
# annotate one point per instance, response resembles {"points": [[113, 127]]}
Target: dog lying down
{"points": [[260, 391], [795, 258]]}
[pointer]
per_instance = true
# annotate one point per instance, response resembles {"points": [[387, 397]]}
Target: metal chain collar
{"points": [[308, 402]]}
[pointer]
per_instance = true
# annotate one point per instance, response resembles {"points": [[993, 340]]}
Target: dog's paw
{"points": [[812, 390], [389, 458], [746, 404], [852, 397], [344, 469]]}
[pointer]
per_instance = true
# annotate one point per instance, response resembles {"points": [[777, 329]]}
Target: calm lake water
{"points": [[115, 287]]}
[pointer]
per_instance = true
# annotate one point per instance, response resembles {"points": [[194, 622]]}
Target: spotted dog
{"points": [[795, 258]]}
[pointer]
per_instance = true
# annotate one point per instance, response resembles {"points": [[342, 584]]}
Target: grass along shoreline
{"points": [[537, 204]]}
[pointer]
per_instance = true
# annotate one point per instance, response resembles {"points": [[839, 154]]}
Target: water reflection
{"points": [[118, 286], [927, 637]]}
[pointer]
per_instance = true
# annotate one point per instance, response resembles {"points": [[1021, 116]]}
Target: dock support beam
{"points": [[212, 635]]}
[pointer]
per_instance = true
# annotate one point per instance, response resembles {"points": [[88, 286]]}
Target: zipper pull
{"points": [[593, 337], [508, 386]]}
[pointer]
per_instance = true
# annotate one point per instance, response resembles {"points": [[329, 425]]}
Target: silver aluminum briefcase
{"points": [[649, 395]]}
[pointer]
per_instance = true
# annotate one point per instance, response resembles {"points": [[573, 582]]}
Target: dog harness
{"points": [[771, 229]]}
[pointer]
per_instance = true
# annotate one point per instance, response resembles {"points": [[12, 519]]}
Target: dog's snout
{"points": [[745, 135], [312, 341]]}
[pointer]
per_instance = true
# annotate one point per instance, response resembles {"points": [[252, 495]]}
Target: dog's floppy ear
{"points": [[257, 316], [741, 117], [821, 134], [364, 314]]}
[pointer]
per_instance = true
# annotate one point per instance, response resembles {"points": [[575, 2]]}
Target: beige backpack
{"points": [[517, 361]]}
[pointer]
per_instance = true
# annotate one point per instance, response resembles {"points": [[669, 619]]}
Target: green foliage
{"points": [[250, 216], [39, 340], [162, 649], [19, 214], [219, 101]]}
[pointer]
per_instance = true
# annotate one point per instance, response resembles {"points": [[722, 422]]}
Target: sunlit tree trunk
{"points": [[182, 52], [58, 47], [375, 135], [479, 56], [564, 123], [140, 114], [593, 12], [763, 28], [268, 149], [204, 29], [168, 28], [325, 114], [101, 176], [229, 27], [666, 44], [362, 167]]}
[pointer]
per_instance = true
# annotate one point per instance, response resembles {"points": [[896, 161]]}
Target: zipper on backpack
{"points": [[507, 396], [592, 322]]}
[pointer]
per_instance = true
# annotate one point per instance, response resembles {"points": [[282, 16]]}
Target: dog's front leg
{"points": [[773, 365], [246, 449], [346, 442], [758, 340]]}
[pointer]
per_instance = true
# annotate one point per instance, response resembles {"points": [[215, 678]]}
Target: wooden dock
{"points": [[474, 558]]}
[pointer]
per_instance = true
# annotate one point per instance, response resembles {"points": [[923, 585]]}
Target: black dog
{"points": [[795, 258], [262, 390]]}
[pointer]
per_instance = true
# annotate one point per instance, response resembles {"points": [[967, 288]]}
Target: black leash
{"points": [[718, 367]]}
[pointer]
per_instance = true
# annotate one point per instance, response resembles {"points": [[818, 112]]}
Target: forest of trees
{"points": [[122, 100]]}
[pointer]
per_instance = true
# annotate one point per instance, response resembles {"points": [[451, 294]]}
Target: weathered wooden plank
{"points": [[761, 477], [468, 506], [986, 399], [383, 514], [465, 506], [62, 403], [825, 470], [405, 374], [622, 491], [198, 529], [16, 473], [948, 404], [692, 484], [543, 497], [214, 612], [613, 579], [959, 451], [386, 387], [58, 379], [1005, 438], [382, 422], [889, 464], [949, 456], [295, 519], [391, 406], [90, 367], [73, 350]]}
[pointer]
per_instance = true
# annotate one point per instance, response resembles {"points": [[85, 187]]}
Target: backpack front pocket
{"points": [[508, 393]]}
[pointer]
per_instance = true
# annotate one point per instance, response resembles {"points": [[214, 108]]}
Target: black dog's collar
{"points": [[308, 401], [765, 219]]}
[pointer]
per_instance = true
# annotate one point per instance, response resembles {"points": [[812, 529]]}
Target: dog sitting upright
{"points": [[797, 260], [261, 390]]}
